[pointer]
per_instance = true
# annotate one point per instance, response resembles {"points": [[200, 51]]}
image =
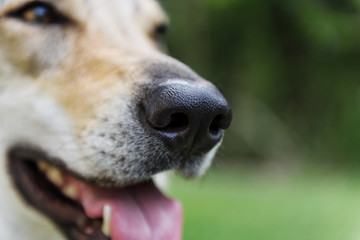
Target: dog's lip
{"points": [[39, 192], [159, 217]]}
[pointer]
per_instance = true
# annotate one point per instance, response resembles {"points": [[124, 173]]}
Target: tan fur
{"points": [[94, 60], [71, 91]]}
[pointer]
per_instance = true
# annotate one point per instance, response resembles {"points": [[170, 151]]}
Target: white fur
{"points": [[32, 114], [28, 115]]}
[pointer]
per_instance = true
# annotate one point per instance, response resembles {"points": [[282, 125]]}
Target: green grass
{"points": [[231, 204]]}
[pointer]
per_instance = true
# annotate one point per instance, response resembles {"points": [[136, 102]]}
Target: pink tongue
{"points": [[140, 212]]}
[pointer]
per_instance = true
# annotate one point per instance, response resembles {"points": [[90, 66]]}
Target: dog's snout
{"points": [[189, 117]]}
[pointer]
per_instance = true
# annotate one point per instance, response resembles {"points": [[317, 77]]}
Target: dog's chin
{"points": [[83, 210]]}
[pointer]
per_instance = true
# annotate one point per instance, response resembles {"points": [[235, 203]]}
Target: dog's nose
{"points": [[189, 117]]}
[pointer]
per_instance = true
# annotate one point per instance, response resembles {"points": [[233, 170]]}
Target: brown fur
{"points": [[76, 91], [92, 66]]}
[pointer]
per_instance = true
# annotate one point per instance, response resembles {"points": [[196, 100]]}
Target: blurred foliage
{"points": [[290, 69]]}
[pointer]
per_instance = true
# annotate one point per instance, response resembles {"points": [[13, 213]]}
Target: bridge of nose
{"points": [[193, 99]]}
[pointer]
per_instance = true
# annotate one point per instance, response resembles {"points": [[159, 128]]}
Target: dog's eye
{"points": [[159, 34], [160, 31], [39, 13]]}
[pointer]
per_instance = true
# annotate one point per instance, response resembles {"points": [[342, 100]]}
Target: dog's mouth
{"points": [[83, 211]]}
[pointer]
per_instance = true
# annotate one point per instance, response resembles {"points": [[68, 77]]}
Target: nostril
{"points": [[215, 126], [178, 123]]}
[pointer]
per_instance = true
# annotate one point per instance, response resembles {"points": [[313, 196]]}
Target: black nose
{"points": [[189, 117]]}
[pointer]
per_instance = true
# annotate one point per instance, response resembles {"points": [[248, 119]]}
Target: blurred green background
{"points": [[289, 166]]}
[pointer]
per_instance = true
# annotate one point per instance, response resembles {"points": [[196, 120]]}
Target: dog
{"points": [[91, 109]]}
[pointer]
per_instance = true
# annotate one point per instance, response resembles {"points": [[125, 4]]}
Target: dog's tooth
{"points": [[106, 220], [70, 191], [43, 166], [55, 176]]}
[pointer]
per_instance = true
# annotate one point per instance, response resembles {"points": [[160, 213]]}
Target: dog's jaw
{"points": [[33, 110], [19, 220], [24, 113]]}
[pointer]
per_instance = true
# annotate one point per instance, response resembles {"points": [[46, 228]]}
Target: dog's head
{"points": [[91, 109]]}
